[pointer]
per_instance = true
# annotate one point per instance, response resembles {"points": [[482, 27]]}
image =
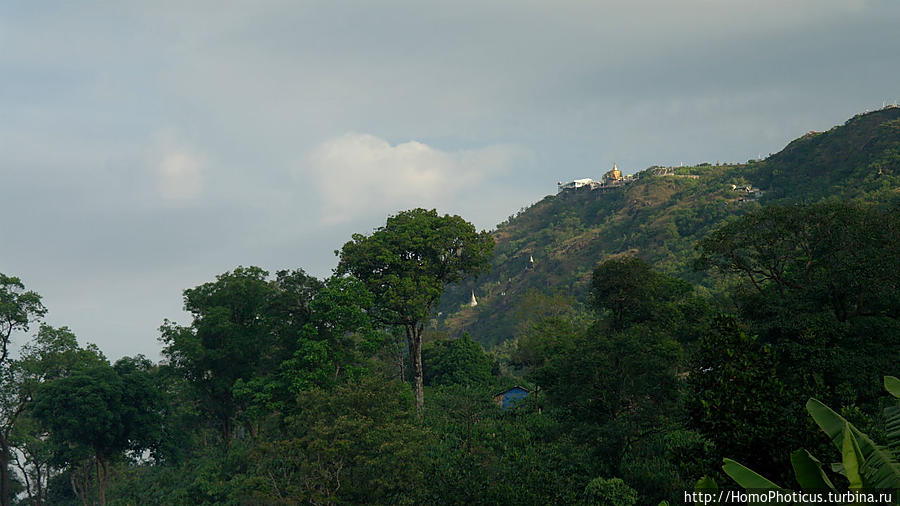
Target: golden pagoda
{"points": [[613, 176]]}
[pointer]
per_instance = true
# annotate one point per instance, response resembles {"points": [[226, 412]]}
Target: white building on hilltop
{"points": [[576, 184]]}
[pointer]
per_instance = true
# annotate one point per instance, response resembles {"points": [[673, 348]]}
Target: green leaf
{"points": [[892, 385], [747, 478], [808, 471], [892, 428], [881, 469], [838, 468], [852, 458]]}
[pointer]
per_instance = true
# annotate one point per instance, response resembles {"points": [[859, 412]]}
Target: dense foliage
{"points": [[702, 331]]}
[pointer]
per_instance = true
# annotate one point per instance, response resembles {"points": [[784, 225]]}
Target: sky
{"points": [[146, 147]]}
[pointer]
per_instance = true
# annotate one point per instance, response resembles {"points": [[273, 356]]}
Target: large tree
{"points": [[839, 257], [52, 354], [100, 412], [244, 325], [406, 264], [18, 309], [334, 346]]}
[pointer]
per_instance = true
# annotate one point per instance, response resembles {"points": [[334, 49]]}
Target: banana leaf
{"points": [[892, 385], [852, 458], [747, 478], [808, 471], [880, 469], [892, 428]]}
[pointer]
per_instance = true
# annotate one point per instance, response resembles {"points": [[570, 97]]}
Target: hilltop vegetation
{"points": [[661, 218], [857, 160]]}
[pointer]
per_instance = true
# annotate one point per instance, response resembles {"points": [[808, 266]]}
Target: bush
{"points": [[610, 492]]}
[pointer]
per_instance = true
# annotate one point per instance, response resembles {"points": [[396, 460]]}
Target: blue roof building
{"points": [[508, 398]]}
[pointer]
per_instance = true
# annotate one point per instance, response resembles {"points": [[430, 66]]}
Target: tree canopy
{"points": [[101, 411], [406, 264], [244, 325], [18, 309], [456, 362]]}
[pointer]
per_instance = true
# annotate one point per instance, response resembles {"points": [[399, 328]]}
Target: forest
{"points": [[764, 348], [288, 389]]}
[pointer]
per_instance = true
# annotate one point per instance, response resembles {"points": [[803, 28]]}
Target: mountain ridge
{"points": [[660, 217]]}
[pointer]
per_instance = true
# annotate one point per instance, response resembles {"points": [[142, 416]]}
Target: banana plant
{"points": [[864, 463], [892, 416]]}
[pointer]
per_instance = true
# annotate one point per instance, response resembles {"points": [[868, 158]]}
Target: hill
{"points": [[661, 215]]}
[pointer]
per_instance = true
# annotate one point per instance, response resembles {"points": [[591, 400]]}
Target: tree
{"points": [[53, 353], [487, 455], [731, 382], [456, 362], [406, 264], [836, 256], [243, 326], [631, 292], [615, 387], [334, 345], [356, 443], [11, 407], [101, 411], [290, 308], [18, 309], [340, 326]]}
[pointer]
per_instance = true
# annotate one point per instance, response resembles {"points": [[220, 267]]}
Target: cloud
{"points": [[247, 94], [179, 169], [180, 176], [359, 174]]}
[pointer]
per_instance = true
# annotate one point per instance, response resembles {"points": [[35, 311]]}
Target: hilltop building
{"points": [[613, 176], [576, 184], [612, 179]]}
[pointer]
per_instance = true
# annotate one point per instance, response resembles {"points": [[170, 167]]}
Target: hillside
{"points": [[660, 218]]}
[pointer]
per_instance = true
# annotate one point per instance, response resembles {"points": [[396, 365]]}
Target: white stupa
{"points": [[474, 301]]}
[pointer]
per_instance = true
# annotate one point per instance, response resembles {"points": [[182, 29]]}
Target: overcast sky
{"points": [[147, 146]]}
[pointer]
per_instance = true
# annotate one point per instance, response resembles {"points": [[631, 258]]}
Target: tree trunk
{"points": [[31, 498], [4, 471], [102, 478], [226, 430], [401, 363], [39, 493], [414, 335], [80, 478]]}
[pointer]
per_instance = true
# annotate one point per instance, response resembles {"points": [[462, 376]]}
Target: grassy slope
{"points": [[661, 218]]}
